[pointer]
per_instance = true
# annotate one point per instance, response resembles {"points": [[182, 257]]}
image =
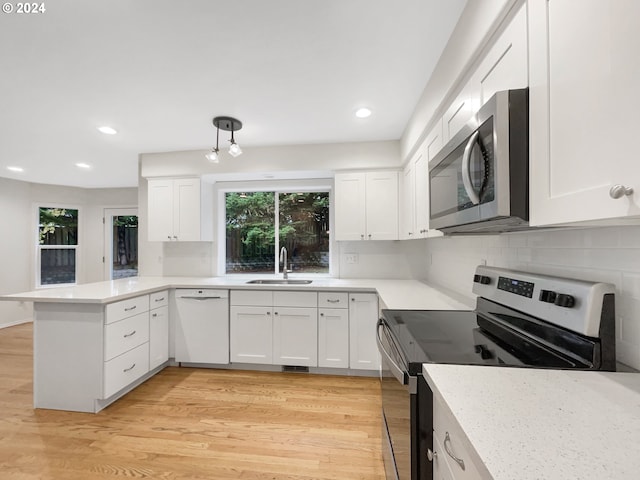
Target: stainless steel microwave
{"points": [[479, 181]]}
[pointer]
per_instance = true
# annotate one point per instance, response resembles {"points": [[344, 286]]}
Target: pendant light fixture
{"points": [[228, 124]]}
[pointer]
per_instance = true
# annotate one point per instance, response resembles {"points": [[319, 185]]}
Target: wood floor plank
{"points": [[192, 424]]}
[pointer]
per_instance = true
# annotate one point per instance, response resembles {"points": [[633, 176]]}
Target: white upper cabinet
{"points": [[505, 65], [366, 206], [407, 217], [431, 146], [461, 110], [180, 209], [584, 104]]}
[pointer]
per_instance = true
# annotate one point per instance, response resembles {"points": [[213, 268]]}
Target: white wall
{"points": [[283, 162], [16, 251], [18, 201], [610, 254]]}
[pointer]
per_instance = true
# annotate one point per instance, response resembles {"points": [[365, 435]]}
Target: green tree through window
{"points": [[302, 223]]}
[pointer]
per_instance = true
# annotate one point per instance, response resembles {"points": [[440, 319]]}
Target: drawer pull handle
{"points": [[127, 335], [129, 369], [154, 315], [447, 448], [159, 299], [130, 308], [333, 301]]}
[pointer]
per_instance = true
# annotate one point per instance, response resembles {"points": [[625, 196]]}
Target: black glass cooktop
{"points": [[470, 338]]}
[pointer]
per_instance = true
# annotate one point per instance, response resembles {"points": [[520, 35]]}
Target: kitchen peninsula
{"points": [[95, 342]]}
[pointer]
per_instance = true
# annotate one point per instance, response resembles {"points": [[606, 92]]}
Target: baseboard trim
{"points": [[17, 322]]}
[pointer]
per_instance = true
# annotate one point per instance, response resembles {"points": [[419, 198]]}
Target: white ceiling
{"points": [[158, 71]]}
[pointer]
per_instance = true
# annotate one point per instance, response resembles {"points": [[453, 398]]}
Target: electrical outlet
{"points": [[351, 258]]}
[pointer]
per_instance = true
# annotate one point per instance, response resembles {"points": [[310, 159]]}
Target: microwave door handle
{"points": [[466, 170]]}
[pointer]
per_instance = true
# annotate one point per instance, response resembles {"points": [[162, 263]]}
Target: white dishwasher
{"points": [[202, 326]]}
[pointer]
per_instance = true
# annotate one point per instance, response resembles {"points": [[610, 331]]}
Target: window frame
{"points": [[39, 248], [276, 186]]}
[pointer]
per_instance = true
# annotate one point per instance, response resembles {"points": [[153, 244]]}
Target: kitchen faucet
{"points": [[283, 258]]}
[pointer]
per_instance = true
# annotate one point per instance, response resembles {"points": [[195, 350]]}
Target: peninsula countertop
{"points": [[395, 294], [552, 424]]}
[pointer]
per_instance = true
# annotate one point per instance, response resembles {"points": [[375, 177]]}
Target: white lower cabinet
{"points": [[251, 334], [455, 457], [158, 336], [125, 369], [274, 327], [295, 336], [333, 337], [363, 317]]}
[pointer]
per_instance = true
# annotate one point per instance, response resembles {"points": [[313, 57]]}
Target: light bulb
{"points": [[363, 112], [234, 150], [212, 156]]}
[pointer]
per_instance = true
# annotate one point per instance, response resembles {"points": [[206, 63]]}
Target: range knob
{"points": [[564, 300], [482, 279], [547, 296]]}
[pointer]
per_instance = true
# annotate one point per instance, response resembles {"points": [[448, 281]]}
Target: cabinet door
{"points": [[333, 337], [505, 65], [584, 70], [186, 209], [251, 335], [461, 110], [295, 336], [408, 203], [160, 210], [432, 145], [350, 206], [382, 205], [363, 317], [158, 336]]}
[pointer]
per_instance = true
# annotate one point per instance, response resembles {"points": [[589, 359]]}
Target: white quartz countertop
{"points": [[545, 424], [395, 294]]}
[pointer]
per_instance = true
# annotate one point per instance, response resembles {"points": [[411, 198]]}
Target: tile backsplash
{"points": [[609, 254]]}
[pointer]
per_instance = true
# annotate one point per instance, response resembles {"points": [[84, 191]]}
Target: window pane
{"points": [[125, 246], [58, 226], [57, 265], [250, 223], [304, 230]]}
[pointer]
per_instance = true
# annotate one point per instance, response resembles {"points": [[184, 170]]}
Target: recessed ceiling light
{"points": [[83, 165], [15, 169], [107, 130], [363, 112]]}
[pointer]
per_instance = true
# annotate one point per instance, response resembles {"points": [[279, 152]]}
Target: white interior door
{"points": [[120, 243]]}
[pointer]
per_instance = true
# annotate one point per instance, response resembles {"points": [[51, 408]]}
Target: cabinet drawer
{"points": [[159, 299], [295, 299], [126, 334], [252, 297], [333, 300], [128, 367], [126, 308], [454, 443]]}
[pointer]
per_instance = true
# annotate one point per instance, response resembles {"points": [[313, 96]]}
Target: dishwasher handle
{"points": [[196, 297]]}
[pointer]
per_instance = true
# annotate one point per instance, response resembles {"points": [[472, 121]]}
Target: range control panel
{"points": [[570, 303], [519, 287]]}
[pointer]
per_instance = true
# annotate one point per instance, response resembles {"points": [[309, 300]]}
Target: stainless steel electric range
{"points": [[521, 320]]}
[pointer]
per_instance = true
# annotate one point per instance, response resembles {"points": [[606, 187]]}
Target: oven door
{"points": [[396, 386]]}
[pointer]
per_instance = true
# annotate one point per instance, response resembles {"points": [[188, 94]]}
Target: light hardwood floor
{"points": [[193, 424]]}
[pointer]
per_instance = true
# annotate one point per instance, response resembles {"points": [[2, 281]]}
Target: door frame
{"points": [[107, 220]]}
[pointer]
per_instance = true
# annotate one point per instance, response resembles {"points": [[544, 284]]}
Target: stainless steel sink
{"points": [[278, 281]]}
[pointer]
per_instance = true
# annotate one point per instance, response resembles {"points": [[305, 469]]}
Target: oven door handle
{"points": [[398, 372], [466, 169]]}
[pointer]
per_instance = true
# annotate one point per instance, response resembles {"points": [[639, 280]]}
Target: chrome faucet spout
{"points": [[283, 259]]}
